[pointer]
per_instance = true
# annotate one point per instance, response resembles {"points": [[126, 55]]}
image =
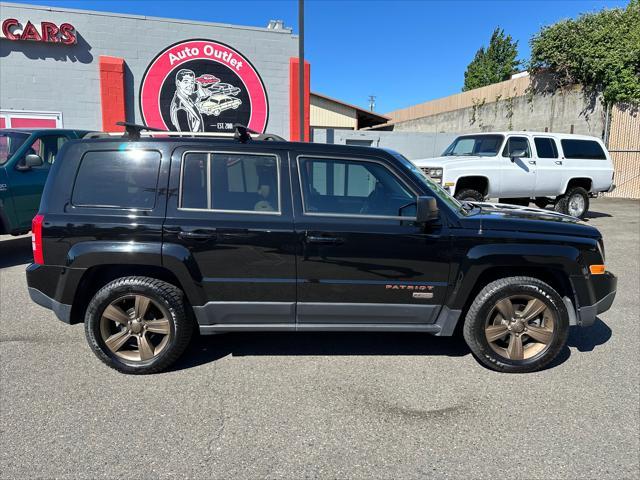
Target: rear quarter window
{"points": [[583, 149], [117, 179]]}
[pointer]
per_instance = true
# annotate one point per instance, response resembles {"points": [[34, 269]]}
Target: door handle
{"points": [[558, 162], [323, 240], [532, 162], [197, 235]]}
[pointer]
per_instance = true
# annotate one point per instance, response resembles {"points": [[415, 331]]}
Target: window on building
{"points": [[123, 179], [546, 147], [583, 149], [352, 187]]}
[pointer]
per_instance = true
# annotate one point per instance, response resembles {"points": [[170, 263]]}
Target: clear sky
{"points": [[404, 52]]}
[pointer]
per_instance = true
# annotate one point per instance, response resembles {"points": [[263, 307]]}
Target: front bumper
{"points": [[594, 295]]}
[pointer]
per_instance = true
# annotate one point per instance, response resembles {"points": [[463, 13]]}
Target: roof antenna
{"points": [[133, 129]]}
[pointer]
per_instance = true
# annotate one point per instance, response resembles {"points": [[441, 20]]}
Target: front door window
{"points": [[350, 187]]}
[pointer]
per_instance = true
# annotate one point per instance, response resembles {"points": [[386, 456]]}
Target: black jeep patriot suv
{"points": [[146, 238]]}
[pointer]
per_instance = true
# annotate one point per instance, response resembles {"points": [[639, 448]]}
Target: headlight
{"points": [[433, 172]]}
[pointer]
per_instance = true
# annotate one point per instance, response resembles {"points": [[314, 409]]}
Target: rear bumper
{"points": [[594, 295], [54, 287], [62, 310]]}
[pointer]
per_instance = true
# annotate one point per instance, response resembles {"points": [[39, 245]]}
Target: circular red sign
{"points": [[202, 85]]}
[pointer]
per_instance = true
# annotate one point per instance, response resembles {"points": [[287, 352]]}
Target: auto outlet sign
{"points": [[202, 86]]}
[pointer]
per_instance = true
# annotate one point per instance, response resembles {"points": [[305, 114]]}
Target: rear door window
{"points": [[582, 149], [230, 182], [546, 147], [117, 179]]}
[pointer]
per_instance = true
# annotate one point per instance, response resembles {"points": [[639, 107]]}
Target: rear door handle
{"points": [[197, 235], [558, 162], [323, 240]]}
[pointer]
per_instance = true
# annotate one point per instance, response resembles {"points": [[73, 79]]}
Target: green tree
{"points": [[599, 50], [492, 64]]}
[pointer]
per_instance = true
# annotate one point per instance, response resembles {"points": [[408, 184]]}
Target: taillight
{"points": [[36, 239]]}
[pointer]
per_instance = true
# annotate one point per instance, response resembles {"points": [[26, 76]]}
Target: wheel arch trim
{"points": [[483, 259]]}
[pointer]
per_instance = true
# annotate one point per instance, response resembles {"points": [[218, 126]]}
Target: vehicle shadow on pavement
{"points": [[587, 339], [15, 251], [583, 340], [591, 214], [205, 349]]}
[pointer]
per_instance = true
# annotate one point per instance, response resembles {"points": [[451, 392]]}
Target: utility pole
{"points": [[372, 102], [301, 65]]}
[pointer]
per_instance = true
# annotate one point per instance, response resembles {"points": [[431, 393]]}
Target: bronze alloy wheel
{"points": [[520, 327], [135, 328]]}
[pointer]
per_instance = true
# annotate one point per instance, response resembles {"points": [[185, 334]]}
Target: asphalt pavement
{"points": [[323, 405]]}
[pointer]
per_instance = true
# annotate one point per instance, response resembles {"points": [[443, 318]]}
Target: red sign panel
{"points": [[19, 122], [203, 86], [46, 32]]}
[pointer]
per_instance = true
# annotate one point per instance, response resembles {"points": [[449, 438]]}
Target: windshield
{"points": [[10, 142], [475, 145], [440, 192]]}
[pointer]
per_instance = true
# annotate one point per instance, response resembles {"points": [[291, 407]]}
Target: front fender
{"points": [[516, 257]]}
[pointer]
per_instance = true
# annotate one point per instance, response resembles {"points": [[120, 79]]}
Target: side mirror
{"points": [[517, 154], [30, 161], [426, 210]]}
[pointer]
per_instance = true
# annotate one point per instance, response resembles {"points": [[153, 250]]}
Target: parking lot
{"points": [[323, 405]]}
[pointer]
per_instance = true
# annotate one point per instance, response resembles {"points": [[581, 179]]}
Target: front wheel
{"points": [[517, 325], [138, 325], [469, 195]]}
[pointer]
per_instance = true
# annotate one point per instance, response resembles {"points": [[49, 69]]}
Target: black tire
{"points": [[564, 203], [166, 296], [470, 194], [522, 202], [483, 305], [542, 202]]}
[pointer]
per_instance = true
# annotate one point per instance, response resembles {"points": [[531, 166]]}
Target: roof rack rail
{"points": [[133, 129], [135, 132]]}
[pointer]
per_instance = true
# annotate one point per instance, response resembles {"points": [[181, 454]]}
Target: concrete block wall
{"points": [[53, 77], [560, 112]]}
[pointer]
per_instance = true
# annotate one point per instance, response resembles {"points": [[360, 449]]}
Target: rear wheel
{"points": [[575, 202], [469, 195], [516, 324], [137, 325]]}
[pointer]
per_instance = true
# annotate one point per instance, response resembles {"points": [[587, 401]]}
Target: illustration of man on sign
{"points": [[185, 111]]}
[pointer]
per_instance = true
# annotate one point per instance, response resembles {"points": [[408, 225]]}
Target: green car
{"points": [[25, 159]]}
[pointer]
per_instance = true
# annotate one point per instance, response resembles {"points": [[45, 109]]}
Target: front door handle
{"points": [[558, 162], [532, 162], [197, 235], [323, 240]]}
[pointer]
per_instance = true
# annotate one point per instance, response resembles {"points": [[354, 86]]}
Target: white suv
{"points": [[551, 168]]}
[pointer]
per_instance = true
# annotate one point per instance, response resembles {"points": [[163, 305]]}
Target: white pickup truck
{"points": [[551, 168]]}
